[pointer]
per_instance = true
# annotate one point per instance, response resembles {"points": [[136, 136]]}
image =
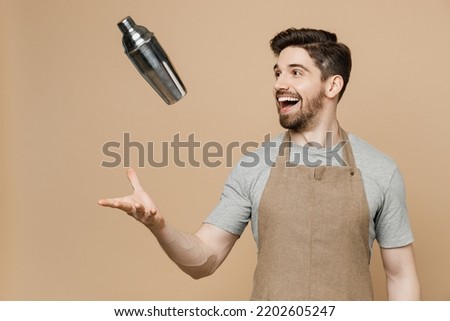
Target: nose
{"points": [[281, 83]]}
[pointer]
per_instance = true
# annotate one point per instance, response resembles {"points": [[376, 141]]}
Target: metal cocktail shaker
{"points": [[149, 58]]}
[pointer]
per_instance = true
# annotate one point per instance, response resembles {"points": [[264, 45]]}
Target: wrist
{"points": [[161, 230]]}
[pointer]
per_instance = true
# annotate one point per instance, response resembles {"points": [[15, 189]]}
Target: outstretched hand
{"points": [[138, 205]]}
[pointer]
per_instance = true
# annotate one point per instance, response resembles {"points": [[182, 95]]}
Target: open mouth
{"points": [[287, 103]]}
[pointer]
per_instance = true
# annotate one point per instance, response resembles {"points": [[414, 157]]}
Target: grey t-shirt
{"points": [[383, 185]]}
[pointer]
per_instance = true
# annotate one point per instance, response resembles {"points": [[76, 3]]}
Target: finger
{"points": [[140, 210], [147, 218], [126, 207], [111, 202], [106, 202], [114, 203], [132, 177]]}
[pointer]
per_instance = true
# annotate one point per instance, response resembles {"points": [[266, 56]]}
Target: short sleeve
{"points": [[233, 211], [392, 226]]}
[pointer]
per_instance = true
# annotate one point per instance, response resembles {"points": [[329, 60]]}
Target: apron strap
{"points": [[348, 151], [284, 150]]}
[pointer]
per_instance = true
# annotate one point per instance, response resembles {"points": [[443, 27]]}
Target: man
{"points": [[317, 199]]}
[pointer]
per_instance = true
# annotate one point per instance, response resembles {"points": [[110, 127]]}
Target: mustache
{"points": [[284, 93]]}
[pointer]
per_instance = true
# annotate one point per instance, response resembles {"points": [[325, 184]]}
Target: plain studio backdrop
{"points": [[67, 89]]}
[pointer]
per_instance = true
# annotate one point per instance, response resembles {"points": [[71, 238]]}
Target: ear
{"points": [[333, 86]]}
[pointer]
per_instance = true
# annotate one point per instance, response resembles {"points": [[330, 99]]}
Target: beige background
{"points": [[67, 88]]}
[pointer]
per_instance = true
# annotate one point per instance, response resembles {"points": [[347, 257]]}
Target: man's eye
{"points": [[277, 74], [297, 73]]}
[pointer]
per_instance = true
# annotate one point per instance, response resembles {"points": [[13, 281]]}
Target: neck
{"points": [[316, 133]]}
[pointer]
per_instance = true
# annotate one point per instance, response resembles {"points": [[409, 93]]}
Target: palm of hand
{"points": [[139, 204]]}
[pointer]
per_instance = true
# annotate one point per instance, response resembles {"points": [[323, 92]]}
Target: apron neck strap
{"points": [[349, 158], [285, 148]]}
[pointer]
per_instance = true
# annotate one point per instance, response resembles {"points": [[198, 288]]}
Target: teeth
{"points": [[287, 99]]}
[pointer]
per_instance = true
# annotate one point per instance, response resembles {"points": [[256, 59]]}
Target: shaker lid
{"points": [[126, 25]]}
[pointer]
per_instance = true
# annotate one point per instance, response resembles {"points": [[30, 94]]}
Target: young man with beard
{"points": [[317, 199]]}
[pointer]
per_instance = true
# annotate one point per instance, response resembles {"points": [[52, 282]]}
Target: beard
{"points": [[304, 116]]}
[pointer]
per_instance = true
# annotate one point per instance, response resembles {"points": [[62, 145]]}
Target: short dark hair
{"points": [[330, 56]]}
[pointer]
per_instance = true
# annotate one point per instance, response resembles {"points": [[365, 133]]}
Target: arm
{"points": [[198, 254], [402, 281]]}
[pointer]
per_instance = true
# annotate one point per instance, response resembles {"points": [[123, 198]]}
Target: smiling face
{"points": [[298, 90]]}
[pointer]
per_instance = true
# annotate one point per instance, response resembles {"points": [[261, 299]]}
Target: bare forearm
{"points": [[188, 251], [405, 288]]}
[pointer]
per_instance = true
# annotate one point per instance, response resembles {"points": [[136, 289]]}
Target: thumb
{"points": [[132, 177]]}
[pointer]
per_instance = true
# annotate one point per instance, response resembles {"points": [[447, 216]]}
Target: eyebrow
{"points": [[293, 66]]}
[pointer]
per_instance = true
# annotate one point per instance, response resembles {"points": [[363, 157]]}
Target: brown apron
{"points": [[313, 227]]}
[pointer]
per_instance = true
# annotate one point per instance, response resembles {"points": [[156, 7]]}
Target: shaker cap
{"points": [[126, 25]]}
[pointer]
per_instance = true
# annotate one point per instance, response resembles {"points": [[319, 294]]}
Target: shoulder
{"points": [[366, 153], [374, 164]]}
